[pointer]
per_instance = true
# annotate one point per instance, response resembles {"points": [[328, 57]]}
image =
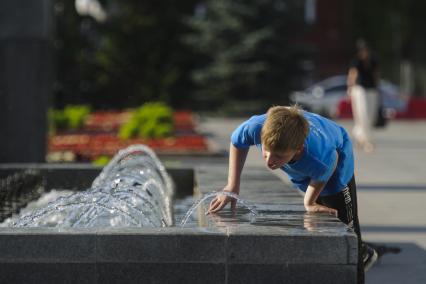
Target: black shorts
{"points": [[345, 202]]}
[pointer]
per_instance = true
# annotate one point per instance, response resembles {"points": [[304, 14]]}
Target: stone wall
{"points": [[282, 244]]}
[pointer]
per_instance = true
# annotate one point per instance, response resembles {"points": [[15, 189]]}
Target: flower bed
{"points": [[99, 138], [106, 121]]}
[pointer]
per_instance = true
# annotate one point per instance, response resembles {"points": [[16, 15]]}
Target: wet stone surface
{"points": [[281, 243], [276, 203]]}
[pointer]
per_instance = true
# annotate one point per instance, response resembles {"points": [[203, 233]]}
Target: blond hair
{"points": [[285, 129]]}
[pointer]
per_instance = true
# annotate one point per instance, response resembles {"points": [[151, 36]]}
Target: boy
{"points": [[316, 153]]}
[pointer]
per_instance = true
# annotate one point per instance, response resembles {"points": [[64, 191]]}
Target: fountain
{"points": [[269, 239], [197, 203], [132, 190]]}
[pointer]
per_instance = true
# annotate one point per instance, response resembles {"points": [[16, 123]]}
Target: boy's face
{"points": [[275, 160]]}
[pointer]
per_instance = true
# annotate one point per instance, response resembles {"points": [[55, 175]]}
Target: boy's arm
{"points": [[310, 200], [313, 191], [237, 158]]}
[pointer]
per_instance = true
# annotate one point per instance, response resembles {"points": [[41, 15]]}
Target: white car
{"points": [[324, 97]]}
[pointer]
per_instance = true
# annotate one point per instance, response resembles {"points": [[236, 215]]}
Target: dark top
{"points": [[366, 72]]}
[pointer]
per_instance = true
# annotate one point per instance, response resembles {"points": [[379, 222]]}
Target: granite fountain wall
{"points": [[281, 245]]}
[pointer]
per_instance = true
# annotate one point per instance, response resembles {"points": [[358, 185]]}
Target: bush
{"points": [[71, 117], [152, 120], [101, 161]]}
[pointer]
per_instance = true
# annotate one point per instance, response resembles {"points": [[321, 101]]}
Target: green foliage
{"points": [[73, 54], [76, 115], [101, 161], [136, 52], [152, 120], [245, 48], [71, 117], [57, 119]]}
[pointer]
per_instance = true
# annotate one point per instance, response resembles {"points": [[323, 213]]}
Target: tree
{"points": [[72, 56], [134, 57], [244, 49]]}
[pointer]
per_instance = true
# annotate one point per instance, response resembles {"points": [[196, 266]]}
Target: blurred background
{"points": [[88, 66], [204, 54]]}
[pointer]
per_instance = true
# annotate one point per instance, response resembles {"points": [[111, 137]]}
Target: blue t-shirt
{"points": [[319, 156]]}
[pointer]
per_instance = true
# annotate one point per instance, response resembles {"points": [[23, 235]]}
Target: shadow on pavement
{"points": [[393, 229], [400, 143], [391, 187], [407, 266]]}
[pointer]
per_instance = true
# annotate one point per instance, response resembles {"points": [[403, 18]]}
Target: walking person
{"points": [[363, 80]]}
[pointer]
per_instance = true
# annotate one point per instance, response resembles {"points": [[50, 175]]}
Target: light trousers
{"points": [[365, 103]]}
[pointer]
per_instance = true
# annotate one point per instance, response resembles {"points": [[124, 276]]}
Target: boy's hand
{"points": [[220, 201], [317, 208]]}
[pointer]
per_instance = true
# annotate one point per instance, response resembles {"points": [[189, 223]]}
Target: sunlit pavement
{"points": [[391, 194]]}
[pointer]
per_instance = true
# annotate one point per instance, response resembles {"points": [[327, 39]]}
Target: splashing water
{"points": [[132, 190], [212, 194]]}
